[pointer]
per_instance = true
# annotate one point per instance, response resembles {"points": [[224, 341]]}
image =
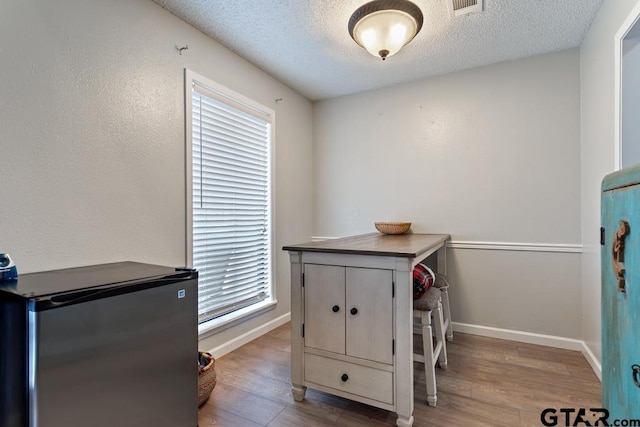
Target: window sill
{"points": [[214, 326]]}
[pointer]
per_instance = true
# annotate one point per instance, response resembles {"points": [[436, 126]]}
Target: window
{"points": [[229, 203]]}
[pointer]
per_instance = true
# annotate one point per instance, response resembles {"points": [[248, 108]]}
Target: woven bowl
{"points": [[207, 377], [392, 227]]}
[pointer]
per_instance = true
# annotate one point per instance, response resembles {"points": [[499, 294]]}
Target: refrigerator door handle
{"points": [[86, 295]]}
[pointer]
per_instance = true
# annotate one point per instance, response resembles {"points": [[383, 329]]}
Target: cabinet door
{"points": [[621, 305], [324, 307], [369, 312]]}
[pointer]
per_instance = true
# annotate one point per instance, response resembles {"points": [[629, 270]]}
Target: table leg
{"points": [[298, 392], [404, 345], [404, 421], [297, 341], [441, 256]]}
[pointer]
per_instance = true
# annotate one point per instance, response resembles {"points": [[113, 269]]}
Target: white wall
{"points": [[490, 154], [92, 137], [597, 151]]}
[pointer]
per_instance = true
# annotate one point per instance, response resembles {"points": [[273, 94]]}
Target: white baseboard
{"points": [[592, 359], [251, 335], [532, 338], [484, 331], [519, 336]]}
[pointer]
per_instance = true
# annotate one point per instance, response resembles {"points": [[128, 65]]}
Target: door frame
{"points": [[627, 25]]}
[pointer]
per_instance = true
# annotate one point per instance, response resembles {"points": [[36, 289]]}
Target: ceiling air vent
{"points": [[464, 7]]}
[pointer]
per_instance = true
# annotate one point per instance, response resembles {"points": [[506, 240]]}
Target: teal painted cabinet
{"points": [[620, 260]]}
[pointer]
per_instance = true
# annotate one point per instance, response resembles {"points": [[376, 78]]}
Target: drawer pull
{"points": [[344, 377], [354, 311], [636, 374], [335, 309]]}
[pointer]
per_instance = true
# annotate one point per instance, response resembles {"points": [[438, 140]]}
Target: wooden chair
{"points": [[442, 284], [429, 309]]}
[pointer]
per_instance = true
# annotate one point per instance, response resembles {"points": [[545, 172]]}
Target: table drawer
{"points": [[363, 381]]}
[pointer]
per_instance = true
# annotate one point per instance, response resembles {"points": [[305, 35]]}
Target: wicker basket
{"points": [[393, 227], [206, 376]]}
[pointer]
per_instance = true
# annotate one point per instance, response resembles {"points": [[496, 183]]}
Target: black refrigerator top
{"points": [[83, 281]]}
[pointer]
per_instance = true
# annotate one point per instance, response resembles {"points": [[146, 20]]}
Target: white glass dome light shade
{"points": [[383, 27], [384, 33]]}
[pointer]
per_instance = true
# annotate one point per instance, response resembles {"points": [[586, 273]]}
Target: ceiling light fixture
{"points": [[382, 27]]}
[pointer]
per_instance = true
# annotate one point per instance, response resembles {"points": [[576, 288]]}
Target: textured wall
{"points": [[92, 136], [597, 151], [490, 154]]}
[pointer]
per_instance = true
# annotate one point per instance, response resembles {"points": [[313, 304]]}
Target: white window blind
{"points": [[231, 202]]}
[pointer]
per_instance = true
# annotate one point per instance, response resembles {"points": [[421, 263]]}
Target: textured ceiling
{"points": [[306, 45]]}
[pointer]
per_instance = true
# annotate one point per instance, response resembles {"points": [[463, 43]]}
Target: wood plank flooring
{"points": [[488, 382]]}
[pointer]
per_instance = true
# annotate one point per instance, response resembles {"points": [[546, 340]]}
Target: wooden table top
{"points": [[397, 245]]}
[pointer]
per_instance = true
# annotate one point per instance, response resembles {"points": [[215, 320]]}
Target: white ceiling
{"points": [[306, 45]]}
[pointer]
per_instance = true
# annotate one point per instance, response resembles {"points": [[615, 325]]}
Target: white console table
{"points": [[351, 317]]}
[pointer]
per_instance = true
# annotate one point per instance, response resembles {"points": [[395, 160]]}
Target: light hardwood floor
{"points": [[489, 382]]}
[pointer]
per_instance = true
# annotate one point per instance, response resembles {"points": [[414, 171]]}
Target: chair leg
{"points": [[429, 369], [439, 333], [447, 313]]}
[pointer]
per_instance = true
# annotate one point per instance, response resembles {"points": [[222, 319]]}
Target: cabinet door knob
{"points": [[636, 374], [344, 377], [335, 309], [354, 311]]}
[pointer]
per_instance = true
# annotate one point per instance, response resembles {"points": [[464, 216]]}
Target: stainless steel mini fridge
{"points": [[102, 346]]}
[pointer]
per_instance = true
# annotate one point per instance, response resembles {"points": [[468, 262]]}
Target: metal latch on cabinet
{"points": [[617, 253], [635, 370]]}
